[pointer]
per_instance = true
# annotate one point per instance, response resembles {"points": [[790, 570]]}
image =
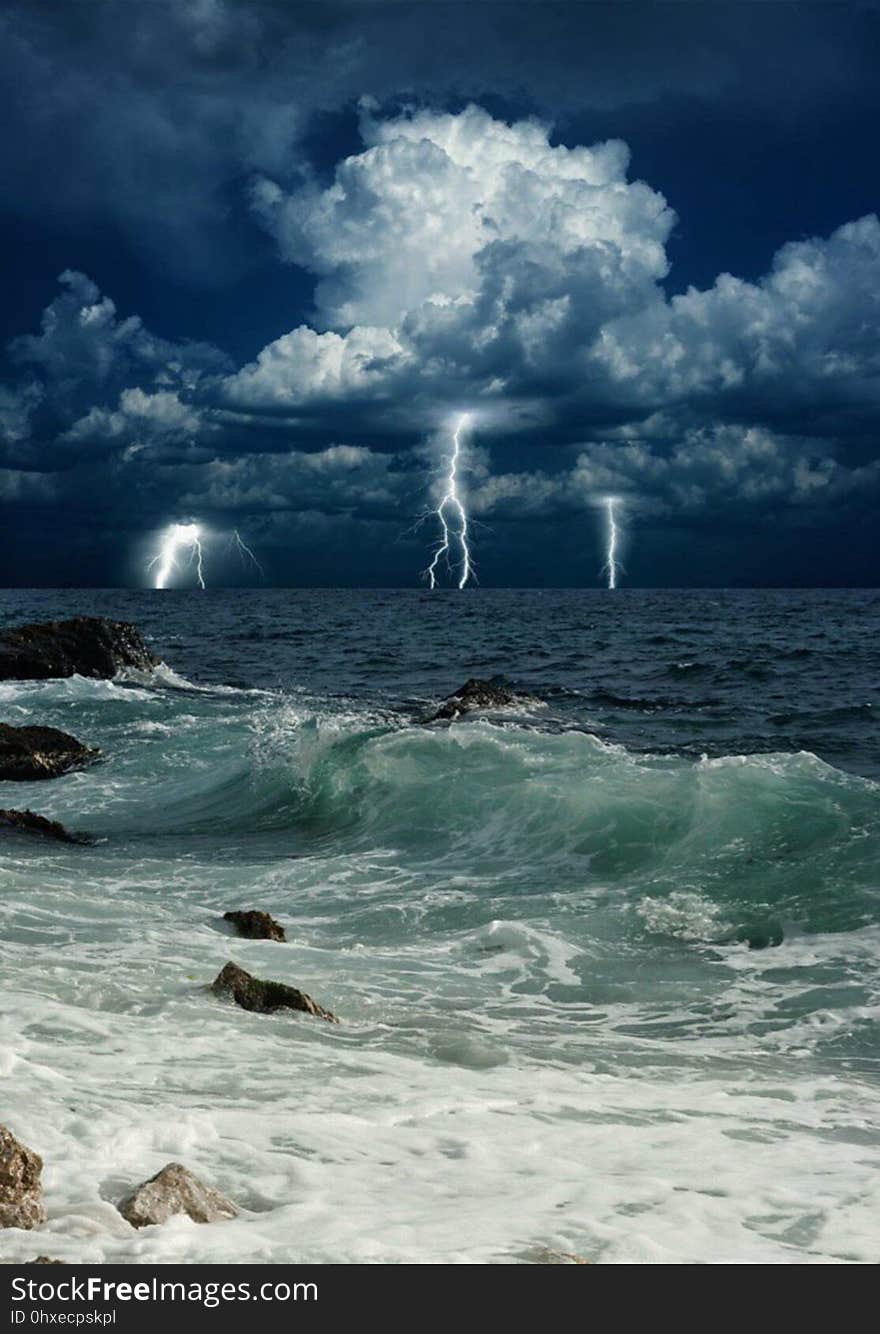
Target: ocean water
{"points": [[606, 964]]}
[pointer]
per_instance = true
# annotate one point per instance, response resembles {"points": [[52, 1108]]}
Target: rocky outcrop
{"points": [[83, 646], [175, 1190], [474, 696], [28, 822], [21, 1195], [45, 1260], [265, 997], [255, 925], [28, 754]]}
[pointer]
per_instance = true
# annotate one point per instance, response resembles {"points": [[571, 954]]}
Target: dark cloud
{"points": [[448, 255]]}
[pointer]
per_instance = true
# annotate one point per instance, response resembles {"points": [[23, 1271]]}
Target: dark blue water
{"points": [[685, 672]]}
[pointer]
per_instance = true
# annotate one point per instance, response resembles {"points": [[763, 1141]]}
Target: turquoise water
{"points": [[606, 964]]}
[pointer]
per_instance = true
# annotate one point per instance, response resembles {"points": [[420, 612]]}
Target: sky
{"points": [[258, 257]]}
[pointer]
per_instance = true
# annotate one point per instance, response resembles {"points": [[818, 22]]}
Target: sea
{"points": [[605, 962]]}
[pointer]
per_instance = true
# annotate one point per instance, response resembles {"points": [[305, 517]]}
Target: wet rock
{"points": [[21, 1195], [760, 935], [474, 696], [548, 1256], [265, 997], [84, 646], [175, 1190], [28, 822], [28, 754], [256, 925]]}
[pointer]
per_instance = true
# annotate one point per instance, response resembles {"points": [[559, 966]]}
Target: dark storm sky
{"points": [[258, 255]]}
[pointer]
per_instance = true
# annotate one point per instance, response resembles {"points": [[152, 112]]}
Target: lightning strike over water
{"points": [[612, 566], [453, 517], [244, 550], [179, 537]]}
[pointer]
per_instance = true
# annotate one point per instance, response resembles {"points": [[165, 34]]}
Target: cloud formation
{"points": [[464, 260]]}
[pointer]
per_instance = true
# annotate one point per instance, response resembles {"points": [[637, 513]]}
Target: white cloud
{"points": [[411, 219], [303, 366], [341, 477], [807, 332], [139, 420]]}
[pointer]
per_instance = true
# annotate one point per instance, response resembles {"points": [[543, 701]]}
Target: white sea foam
{"points": [[549, 1037]]}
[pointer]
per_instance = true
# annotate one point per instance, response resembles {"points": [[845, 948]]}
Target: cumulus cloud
{"points": [[158, 422], [304, 366], [460, 257], [803, 338], [464, 261], [337, 479], [488, 255], [84, 350]]}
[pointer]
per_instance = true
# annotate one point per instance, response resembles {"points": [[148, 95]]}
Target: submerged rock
{"points": [[21, 1195], [546, 1255], [255, 925], [28, 754], [175, 1190], [265, 997], [474, 696], [84, 646], [28, 822], [760, 935]]}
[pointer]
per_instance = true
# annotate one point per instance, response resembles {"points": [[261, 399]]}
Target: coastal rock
{"points": [[28, 822], [84, 646], [265, 997], [28, 754], [472, 697], [21, 1195], [256, 925], [175, 1190]]}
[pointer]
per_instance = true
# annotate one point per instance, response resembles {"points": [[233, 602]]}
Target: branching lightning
{"points": [[453, 517], [612, 566], [183, 543], [244, 550], [180, 537]]}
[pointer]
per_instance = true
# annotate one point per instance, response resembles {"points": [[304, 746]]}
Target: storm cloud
{"points": [[474, 255]]}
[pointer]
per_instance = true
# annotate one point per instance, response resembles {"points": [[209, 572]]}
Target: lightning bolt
{"points": [[245, 550], [612, 566], [452, 516], [179, 537]]}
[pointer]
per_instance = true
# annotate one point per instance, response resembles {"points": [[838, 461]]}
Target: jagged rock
{"points": [[45, 1260], [256, 925], [28, 822], [28, 754], [84, 646], [253, 994], [473, 696], [21, 1195], [175, 1190]]}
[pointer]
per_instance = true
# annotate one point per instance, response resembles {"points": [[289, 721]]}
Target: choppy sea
{"points": [[606, 964]]}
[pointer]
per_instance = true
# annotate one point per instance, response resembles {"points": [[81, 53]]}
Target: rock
{"points": [[28, 754], [255, 925], [28, 822], [45, 1260], [760, 935], [175, 1190], [265, 997], [84, 646], [473, 696], [21, 1195], [547, 1256]]}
